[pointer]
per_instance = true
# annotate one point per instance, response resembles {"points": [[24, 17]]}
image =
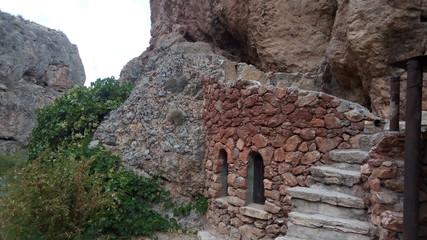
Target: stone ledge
{"points": [[326, 196], [332, 223], [255, 211], [348, 155], [332, 175]]}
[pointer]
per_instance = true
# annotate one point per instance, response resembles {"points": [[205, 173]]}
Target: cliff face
{"points": [[337, 47], [37, 64], [343, 47]]}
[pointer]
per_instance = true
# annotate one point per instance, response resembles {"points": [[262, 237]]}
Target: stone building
{"points": [[284, 161]]}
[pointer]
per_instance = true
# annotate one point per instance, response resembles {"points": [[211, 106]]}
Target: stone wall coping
{"points": [[254, 210]]}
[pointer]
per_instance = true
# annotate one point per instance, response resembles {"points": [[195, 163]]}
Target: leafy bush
{"points": [[8, 162], [198, 205], [51, 201], [11, 161], [76, 115], [69, 191]]}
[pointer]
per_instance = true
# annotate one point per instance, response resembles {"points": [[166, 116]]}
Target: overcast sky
{"points": [[108, 33]]}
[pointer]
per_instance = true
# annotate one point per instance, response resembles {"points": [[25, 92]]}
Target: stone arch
{"points": [[255, 190]]}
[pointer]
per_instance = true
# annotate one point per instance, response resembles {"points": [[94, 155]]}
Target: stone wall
{"points": [[290, 128], [383, 183]]}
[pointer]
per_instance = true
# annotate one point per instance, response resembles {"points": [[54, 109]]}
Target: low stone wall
{"points": [[383, 182], [290, 128]]}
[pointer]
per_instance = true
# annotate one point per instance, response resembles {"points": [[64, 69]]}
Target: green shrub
{"points": [[76, 115], [8, 162], [51, 201], [69, 191], [12, 161], [198, 205]]}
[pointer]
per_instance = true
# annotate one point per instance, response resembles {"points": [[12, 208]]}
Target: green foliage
{"points": [[8, 162], [12, 161], [198, 205], [51, 200], [76, 115], [70, 191]]}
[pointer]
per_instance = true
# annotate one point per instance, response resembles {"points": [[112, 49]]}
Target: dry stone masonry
{"points": [[382, 176], [294, 131]]}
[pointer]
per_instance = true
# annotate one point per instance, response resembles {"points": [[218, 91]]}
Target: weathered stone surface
{"points": [[356, 43], [331, 175], [37, 65], [322, 195], [152, 104], [326, 144], [344, 53], [255, 211], [308, 207], [322, 221], [348, 155], [392, 220], [292, 143], [302, 232]]}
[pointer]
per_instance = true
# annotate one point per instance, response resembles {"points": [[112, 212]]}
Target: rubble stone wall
{"points": [[290, 128], [383, 182]]}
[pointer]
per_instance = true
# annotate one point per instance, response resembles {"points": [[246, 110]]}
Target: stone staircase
{"points": [[330, 208]]}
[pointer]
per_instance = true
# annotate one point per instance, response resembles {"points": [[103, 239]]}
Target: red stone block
{"points": [[324, 145], [293, 158], [384, 172], [260, 141], [288, 108], [251, 101], [307, 134], [332, 121], [292, 143], [276, 120], [280, 93], [266, 154], [279, 155]]}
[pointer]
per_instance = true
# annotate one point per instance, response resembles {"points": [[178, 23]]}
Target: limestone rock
{"points": [[37, 64], [340, 47]]}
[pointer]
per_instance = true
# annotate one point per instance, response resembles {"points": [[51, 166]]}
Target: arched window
{"points": [[224, 172], [255, 189]]}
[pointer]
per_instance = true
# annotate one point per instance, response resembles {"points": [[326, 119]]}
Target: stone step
{"points": [[307, 207], [326, 196], [333, 175], [346, 166], [333, 224], [335, 188], [351, 156], [308, 233]]}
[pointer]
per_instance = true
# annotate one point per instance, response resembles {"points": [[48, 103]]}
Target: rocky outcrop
{"points": [[342, 47], [37, 64], [367, 35], [158, 130]]}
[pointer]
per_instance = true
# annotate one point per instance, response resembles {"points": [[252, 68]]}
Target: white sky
{"points": [[108, 33]]}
